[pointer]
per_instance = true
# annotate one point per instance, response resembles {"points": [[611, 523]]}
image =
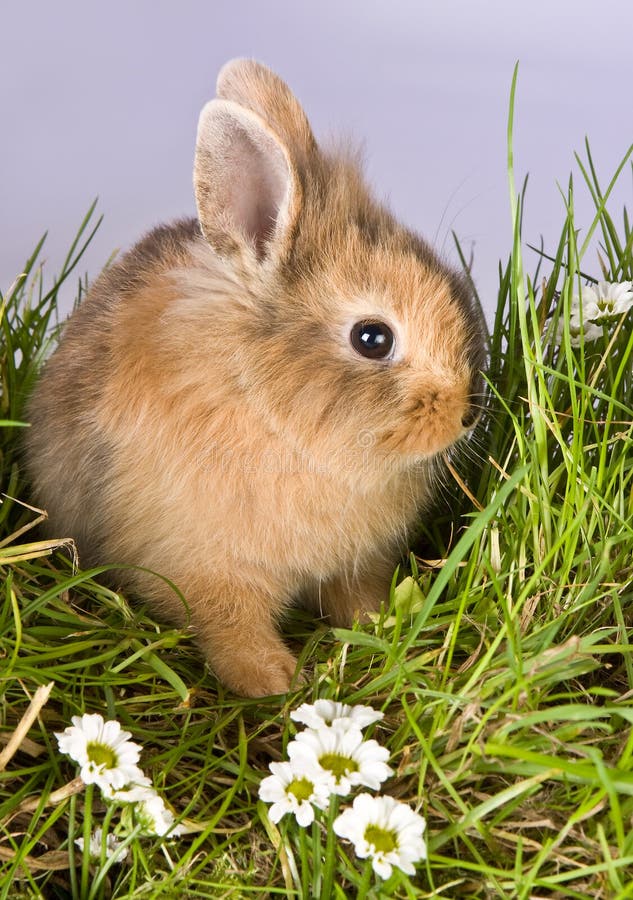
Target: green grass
{"points": [[507, 691]]}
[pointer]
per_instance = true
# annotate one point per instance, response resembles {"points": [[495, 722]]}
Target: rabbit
{"points": [[252, 404]]}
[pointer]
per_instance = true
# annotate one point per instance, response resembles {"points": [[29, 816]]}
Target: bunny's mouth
{"points": [[432, 422]]}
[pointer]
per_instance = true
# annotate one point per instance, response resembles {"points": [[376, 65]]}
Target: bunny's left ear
{"points": [[247, 190]]}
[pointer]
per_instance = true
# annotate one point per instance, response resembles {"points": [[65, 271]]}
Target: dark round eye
{"points": [[373, 340]]}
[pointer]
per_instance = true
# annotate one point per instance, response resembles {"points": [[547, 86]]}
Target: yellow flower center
{"points": [[102, 755], [382, 841], [301, 788], [338, 764]]}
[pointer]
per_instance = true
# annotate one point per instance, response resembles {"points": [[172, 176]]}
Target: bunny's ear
{"points": [[253, 86], [246, 187]]}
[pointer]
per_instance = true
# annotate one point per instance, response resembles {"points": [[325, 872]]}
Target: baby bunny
{"points": [[251, 404]]}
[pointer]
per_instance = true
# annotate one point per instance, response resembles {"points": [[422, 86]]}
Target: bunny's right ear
{"points": [[246, 186]]}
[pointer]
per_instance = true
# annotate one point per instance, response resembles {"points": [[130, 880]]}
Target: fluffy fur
{"points": [[206, 417]]}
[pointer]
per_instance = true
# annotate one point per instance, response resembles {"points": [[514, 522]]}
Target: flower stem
{"points": [[363, 887], [330, 851], [85, 857], [305, 864], [316, 859], [72, 848]]}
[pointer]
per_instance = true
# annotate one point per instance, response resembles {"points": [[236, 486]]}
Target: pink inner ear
{"points": [[243, 179], [258, 190]]}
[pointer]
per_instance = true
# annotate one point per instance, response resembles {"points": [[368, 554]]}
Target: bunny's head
{"points": [[348, 328]]}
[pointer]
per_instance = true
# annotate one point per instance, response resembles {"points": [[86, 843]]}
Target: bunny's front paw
{"points": [[272, 673]]}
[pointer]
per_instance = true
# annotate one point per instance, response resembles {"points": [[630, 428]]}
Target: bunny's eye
{"points": [[374, 340]]}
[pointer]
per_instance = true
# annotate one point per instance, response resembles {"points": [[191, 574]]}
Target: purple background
{"points": [[104, 99]]}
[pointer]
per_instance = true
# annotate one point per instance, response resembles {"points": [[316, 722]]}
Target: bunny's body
{"points": [[222, 409]]}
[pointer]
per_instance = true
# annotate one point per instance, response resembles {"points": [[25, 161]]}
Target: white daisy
{"points": [[96, 842], [339, 715], [132, 793], [102, 749], [386, 830], [595, 306], [588, 330], [294, 789], [343, 756], [155, 817], [606, 301]]}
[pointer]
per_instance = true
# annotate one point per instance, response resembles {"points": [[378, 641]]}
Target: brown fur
{"points": [[206, 417]]}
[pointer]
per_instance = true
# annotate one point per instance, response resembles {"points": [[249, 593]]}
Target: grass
{"points": [[507, 685]]}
